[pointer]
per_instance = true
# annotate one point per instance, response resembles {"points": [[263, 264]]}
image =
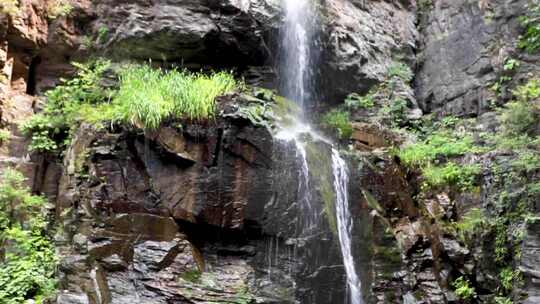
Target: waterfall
{"points": [[341, 181], [298, 60], [296, 56]]}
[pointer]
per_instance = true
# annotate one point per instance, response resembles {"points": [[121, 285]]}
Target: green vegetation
{"points": [[27, 268], [58, 8], [4, 136], [148, 96], [462, 176], [320, 163], [438, 146], [10, 7], [530, 40], [103, 34], [338, 120], [396, 111], [145, 98], [355, 101], [68, 104], [400, 70], [192, 276], [470, 225], [503, 300], [463, 289]]}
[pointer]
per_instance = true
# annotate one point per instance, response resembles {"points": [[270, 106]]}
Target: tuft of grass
{"points": [[149, 96]]}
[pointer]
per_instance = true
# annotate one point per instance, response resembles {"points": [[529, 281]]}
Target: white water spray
{"points": [[344, 223], [296, 56]]}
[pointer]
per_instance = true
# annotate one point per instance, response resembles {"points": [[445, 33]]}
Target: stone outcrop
{"points": [[464, 46], [361, 39], [194, 34]]}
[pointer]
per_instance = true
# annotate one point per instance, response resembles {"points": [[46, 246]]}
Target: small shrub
{"points": [[58, 8], [439, 144], [62, 111], [10, 7], [355, 101], [503, 300], [521, 116], [103, 33], [400, 70], [508, 277], [396, 110], [27, 269], [4, 136], [527, 161], [510, 64], [339, 121], [463, 289], [470, 224], [530, 40], [463, 176]]}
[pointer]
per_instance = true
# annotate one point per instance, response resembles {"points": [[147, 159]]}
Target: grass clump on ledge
{"points": [[149, 96], [144, 98]]}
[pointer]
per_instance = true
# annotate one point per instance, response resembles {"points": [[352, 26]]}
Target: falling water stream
{"points": [[297, 62]]}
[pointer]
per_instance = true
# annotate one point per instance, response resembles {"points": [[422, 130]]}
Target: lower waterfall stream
{"points": [[344, 223]]}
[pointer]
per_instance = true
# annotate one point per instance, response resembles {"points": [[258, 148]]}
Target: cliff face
{"points": [[210, 212]]}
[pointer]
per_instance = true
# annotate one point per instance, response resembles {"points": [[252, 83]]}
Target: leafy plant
{"points": [[441, 143], [503, 300], [508, 277], [400, 70], [58, 8], [148, 96], [521, 116], [396, 110], [463, 176], [470, 224], [10, 7], [62, 111], [355, 101], [27, 270], [463, 289], [510, 64], [103, 33], [4, 136], [339, 121], [530, 40]]}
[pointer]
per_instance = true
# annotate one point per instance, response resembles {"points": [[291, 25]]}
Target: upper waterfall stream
{"points": [[298, 62]]}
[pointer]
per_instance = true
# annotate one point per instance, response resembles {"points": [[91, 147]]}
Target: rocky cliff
{"points": [[209, 212]]}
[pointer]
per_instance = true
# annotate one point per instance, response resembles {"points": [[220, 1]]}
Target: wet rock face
{"points": [[360, 41], [464, 45], [197, 214]]}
